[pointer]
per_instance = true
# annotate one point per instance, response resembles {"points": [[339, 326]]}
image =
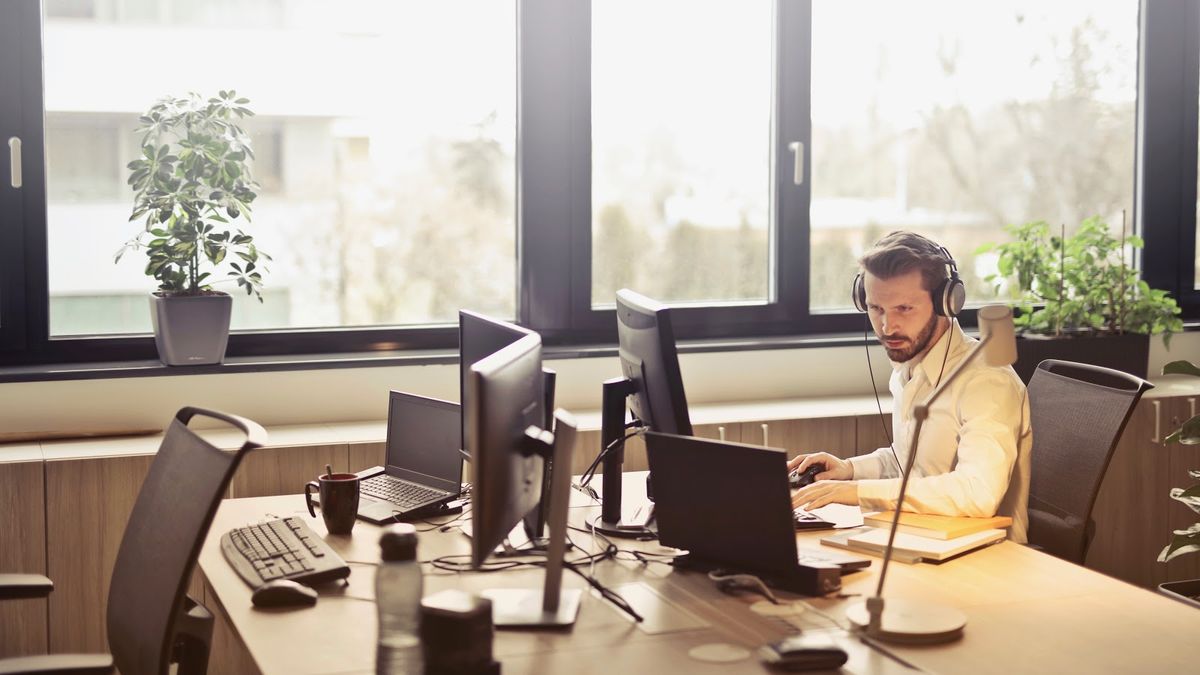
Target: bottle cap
{"points": [[398, 542]]}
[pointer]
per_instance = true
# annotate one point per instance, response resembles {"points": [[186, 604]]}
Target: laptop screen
{"points": [[422, 440]]}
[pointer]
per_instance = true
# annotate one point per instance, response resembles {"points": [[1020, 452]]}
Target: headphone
{"points": [[948, 298]]}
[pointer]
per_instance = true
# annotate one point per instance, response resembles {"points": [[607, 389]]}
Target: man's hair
{"points": [[901, 252]]}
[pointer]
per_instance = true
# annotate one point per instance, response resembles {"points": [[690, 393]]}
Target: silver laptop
{"points": [[423, 467]]}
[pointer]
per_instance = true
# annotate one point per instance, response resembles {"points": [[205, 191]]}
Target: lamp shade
{"points": [[996, 327]]}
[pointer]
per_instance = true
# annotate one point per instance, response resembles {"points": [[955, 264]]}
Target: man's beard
{"points": [[914, 347]]}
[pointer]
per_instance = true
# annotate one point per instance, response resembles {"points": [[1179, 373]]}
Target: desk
{"points": [[1027, 612]]}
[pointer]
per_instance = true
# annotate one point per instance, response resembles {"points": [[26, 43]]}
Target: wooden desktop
{"points": [[1027, 612]]}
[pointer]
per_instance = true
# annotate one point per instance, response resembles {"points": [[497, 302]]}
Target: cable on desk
{"points": [[590, 473]]}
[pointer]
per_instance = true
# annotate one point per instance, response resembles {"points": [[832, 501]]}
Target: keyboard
{"points": [[400, 492], [286, 548]]}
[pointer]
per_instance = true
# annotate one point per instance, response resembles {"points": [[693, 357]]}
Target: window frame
{"points": [[553, 238]]}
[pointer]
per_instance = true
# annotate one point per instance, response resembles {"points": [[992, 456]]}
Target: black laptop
{"points": [[424, 465], [728, 505]]}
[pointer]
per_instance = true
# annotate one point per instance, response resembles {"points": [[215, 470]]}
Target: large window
{"points": [[527, 158], [681, 146], [385, 145], [954, 119]]}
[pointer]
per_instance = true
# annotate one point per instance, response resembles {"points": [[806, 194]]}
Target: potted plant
{"points": [[192, 185], [1187, 540], [1070, 288]]}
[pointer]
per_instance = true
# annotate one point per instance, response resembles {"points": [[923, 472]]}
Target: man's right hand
{"points": [[835, 469]]}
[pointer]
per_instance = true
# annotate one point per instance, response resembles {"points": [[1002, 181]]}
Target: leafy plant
{"points": [[192, 180], [1184, 541], [1081, 283]]}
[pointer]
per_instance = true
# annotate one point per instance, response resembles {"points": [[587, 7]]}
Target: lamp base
{"points": [[910, 622]]}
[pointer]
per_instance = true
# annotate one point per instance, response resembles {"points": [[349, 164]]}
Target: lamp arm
{"points": [[920, 413]]}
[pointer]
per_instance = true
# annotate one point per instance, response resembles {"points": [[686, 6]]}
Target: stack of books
{"points": [[921, 536]]}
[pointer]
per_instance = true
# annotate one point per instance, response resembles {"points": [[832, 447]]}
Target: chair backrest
{"points": [[1077, 412], [162, 540]]}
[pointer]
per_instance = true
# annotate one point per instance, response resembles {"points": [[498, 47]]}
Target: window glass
{"points": [[681, 140], [954, 119], [384, 138]]}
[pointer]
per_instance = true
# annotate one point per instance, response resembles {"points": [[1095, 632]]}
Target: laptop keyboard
{"points": [[400, 492]]}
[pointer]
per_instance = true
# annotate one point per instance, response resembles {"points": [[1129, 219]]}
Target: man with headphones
{"points": [[973, 458]]}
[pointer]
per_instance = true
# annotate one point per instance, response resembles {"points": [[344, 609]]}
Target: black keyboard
{"points": [[281, 549], [400, 492]]}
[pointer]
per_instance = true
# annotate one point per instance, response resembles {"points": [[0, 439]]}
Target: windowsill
{"points": [[258, 364]]}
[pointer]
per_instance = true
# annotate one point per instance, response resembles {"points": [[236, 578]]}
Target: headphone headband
{"points": [[948, 297]]}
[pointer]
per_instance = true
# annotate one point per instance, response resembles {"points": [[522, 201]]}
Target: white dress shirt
{"points": [[974, 450]]}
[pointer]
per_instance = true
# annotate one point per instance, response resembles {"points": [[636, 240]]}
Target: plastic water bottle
{"points": [[398, 589]]}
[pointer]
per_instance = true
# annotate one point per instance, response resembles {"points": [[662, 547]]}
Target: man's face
{"points": [[902, 315]]}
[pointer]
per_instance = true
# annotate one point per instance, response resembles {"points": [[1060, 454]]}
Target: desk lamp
{"points": [[916, 622]]}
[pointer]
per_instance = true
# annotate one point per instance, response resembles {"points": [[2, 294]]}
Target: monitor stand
{"points": [[552, 606], [612, 429]]}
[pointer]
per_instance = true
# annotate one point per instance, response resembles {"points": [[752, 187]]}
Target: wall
{"points": [[338, 395]]}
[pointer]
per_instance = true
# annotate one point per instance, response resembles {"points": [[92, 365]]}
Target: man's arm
{"points": [[879, 464], [990, 407]]}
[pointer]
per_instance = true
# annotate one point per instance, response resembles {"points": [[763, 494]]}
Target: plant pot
{"points": [[1128, 353], [1187, 592], [191, 330]]}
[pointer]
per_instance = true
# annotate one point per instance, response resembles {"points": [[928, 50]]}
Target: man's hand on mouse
{"points": [[832, 486]]}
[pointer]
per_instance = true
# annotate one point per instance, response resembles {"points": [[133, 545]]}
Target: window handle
{"points": [[14, 160], [797, 149]]}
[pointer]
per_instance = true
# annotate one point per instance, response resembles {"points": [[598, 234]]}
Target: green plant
{"points": [[192, 180], [1184, 541], [1081, 283]]}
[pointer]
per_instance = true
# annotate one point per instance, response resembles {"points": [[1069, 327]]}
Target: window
{"points": [[387, 196], [526, 159], [955, 119], [681, 147]]}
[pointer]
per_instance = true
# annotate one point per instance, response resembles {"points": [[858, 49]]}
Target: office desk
{"points": [[1027, 612]]}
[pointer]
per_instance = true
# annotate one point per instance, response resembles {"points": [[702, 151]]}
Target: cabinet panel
{"points": [[366, 455], [835, 435], [1131, 511], [871, 434], [88, 503], [22, 551], [284, 471]]}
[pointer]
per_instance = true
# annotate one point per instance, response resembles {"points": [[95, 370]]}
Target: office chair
{"points": [[1077, 412], [151, 621]]}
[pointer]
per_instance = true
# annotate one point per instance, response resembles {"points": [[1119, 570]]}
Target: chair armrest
{"points": [[19, 586], [58, 664]]}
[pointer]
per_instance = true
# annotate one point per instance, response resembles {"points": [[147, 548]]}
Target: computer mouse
{"points": [[804, 652], [283, 593], [797, 480]]}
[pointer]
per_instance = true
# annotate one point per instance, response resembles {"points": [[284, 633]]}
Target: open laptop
{"points": [[729, 506], [423, 467]]}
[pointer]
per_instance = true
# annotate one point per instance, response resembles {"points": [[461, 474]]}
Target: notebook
{"points": [[936, 527], [910, 548], [423, 463]]}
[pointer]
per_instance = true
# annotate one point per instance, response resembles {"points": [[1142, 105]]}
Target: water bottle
{"points": [[398, 589]]}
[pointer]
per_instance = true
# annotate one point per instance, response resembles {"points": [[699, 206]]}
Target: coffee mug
{"points": [[339, 500]]}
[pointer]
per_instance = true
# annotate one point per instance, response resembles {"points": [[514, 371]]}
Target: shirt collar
{"points": [[930, 363]]}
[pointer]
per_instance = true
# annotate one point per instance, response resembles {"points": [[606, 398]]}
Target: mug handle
{"points": [[308, 496]]}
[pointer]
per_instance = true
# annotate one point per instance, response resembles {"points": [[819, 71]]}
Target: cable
{"points": [[590, 473], [871, 373]]}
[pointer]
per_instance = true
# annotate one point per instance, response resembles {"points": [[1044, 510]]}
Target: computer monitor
{"points": [[652, 387], [480, 336], [509, 448]]}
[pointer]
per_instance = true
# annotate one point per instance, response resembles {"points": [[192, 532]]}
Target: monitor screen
{"points": [[648, 358], [504, 398], [480, 336], [422, 440]]}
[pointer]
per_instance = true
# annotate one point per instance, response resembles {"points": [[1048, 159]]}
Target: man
{"points": [[973, 458]]}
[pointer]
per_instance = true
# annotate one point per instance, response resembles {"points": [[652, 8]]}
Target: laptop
{"points": [[729, 506], [423, 466]]}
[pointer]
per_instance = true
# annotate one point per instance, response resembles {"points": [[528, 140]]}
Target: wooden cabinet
{"points": [[22, 551], [835, 435], [284, 470], [1134, 513]]}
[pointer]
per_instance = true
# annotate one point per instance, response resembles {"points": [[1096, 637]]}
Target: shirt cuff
{"points": [[878, 494], [865, 466]]}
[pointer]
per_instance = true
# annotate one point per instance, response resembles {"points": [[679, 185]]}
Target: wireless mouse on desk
{"points": [[283, 593], [804, 652]]}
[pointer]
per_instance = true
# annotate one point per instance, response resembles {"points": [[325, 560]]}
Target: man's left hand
{"points": [[825, 492]]}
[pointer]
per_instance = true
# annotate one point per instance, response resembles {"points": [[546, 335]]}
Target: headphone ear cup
{"points": [[956, 296], [858, 293]]}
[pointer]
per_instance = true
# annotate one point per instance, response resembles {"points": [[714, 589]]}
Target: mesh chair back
{"points": [[162, 540], [1077, 412]]}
